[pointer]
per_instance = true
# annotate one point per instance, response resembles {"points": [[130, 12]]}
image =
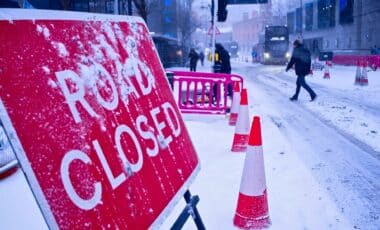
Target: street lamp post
{"points": [[213, 28], [301, 37], [213, 6]]}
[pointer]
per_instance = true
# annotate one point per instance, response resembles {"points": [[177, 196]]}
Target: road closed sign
{"points": [[88, 110]]}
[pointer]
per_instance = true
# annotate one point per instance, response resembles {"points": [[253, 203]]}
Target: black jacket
{"points": [[301, 58], [224, 61], [193, 57]]}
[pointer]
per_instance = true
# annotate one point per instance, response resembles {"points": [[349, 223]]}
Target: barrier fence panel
{"points": [[206, 93], [373, 61]]}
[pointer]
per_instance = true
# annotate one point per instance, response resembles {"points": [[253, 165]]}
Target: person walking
{"points": [[202, 57], [193, 60], [301, 59]]}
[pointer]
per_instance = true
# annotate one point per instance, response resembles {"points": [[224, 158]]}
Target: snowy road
{"points": [[342, 164], [355, 111], [321, 158]]}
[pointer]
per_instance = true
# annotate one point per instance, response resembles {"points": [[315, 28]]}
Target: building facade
{"points": [[170, 17], [346, 26], [165, 17], [246, 32], [250, 30]]}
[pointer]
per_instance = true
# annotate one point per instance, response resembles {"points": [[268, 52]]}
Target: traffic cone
{"points": [[330, 63], [252, 207], [358, 74], [235, 104], [326, 75], [364, 77], [311, 72], [240, 141]]}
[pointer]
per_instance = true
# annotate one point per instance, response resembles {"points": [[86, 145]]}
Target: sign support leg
{"points": [[189, 210]]}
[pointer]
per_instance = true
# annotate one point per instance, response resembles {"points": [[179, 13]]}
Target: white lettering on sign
{"points": [[73, 97], [156, 129], [147, 135], [125, 129], [160, 125], [115, 97], [168, 108], [114, 181], [170, 119], [65, 175], [125, 86]]}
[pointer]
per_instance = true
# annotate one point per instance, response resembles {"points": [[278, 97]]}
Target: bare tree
{"points": [[187, 24]]}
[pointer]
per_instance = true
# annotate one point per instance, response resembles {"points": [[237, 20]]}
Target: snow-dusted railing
{"points": [[206, 93]]}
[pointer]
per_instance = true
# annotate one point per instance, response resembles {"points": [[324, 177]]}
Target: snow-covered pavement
{"points": [[321, 158], [320, 173], [342, 162]]}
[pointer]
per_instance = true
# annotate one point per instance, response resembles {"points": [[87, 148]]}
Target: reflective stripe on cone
{"points": [[240, 140], [252, 208], [235, 104]]}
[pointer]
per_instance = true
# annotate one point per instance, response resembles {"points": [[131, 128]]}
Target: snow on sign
{"points": [[87, 107]]}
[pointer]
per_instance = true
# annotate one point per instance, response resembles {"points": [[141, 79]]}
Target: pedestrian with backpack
{"points": [[301, 59]]}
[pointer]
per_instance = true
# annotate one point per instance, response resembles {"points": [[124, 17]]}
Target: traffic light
{"points": [[222, 11]]}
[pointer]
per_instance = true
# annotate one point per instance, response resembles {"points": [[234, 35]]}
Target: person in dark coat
{"points": [[193, 60], [202, 57], [222, 65], [224, 59], [301, 59]]}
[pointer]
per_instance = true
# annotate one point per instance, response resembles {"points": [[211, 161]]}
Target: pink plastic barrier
{"points": [[206, 93], [373, 60]]}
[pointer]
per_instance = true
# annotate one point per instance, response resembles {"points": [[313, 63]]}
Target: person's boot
{"points": [[313, 97], [293, 98]]}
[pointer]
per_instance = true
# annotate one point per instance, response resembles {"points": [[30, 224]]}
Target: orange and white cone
{"points": [[364, 77], [235, 104], [358, 75], [240, 141], [252, 207], [330, 64], [326, 75]]}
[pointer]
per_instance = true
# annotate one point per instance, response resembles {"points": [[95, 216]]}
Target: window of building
{"points": [[325, 43], [81, 5], [110, 6], [123, 7], [326, 13], [309, 16], [298, 20], [346, 11], [290, 22]]}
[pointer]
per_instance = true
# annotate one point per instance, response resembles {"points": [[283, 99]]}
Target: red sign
{"points": [[210, 30], [86, 104]]}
